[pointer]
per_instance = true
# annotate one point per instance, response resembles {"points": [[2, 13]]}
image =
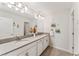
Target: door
{"points": [[40, 47], [73, 31], [26, 28], [45, 42]]}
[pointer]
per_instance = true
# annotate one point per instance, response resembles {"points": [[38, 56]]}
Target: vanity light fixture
{"points": [[19, 6], [10, 6], [16, 8], [26, 9], [40, 16]]}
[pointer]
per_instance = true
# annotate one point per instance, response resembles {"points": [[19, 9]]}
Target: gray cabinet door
{"points": [[40, 47], [30, 52], [45, 42]]}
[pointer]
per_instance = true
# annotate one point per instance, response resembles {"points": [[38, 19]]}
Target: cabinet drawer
{"points": [[20, 50], [29, 52], [32, 51], [16, 52]]}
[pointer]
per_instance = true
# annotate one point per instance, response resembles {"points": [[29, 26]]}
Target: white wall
{"points": [[44, 24], [40, 25], [47, 24]]}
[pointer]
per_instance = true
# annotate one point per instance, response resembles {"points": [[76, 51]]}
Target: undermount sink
{"points": [[20, 41], [23, 38]]}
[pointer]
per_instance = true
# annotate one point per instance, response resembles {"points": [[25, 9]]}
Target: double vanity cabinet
{"points": [[32, 46]]}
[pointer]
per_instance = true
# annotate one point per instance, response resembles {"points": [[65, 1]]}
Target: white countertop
{"points": [[6, 47]]}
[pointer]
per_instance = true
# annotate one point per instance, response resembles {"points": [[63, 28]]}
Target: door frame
{"points": [[73, 46], [25, 27]]}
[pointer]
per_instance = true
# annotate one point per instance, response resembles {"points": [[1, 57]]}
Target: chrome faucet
{"points": [[18, 38]]}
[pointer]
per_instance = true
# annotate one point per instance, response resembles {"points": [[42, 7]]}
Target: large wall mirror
{"points": [[6, 27]]}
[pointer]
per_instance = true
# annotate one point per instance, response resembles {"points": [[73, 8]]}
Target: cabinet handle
{"points": [[46, 40], [26, 54]]}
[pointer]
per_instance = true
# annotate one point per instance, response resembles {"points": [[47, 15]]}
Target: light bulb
{"points": [[22, 11], [19, 5], [39, 16], [10, 6], [16, 8], [26, 9]]}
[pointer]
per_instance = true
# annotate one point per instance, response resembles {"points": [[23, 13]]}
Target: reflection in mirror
{"points": [[6, 27], [14, 23], [26, 28]]}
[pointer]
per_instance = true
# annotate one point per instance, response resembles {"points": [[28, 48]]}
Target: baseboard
{"points": [[75, 54], [63, 49]]}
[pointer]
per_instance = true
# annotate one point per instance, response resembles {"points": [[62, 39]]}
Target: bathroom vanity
{"points": [[30, 46]]}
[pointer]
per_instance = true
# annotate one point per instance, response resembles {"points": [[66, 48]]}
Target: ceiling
{"points": [[51, 7], [46, 8]]}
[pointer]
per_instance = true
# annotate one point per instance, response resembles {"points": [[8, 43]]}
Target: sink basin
{"points": [[23, 38], [20, 41]]}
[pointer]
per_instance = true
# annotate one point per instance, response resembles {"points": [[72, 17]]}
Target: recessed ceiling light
{"points": [[19, 5]]}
